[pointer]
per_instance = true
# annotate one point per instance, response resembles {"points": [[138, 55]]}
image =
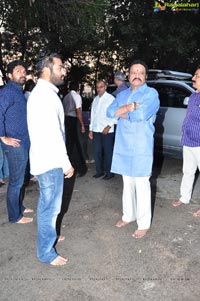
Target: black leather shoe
{"points": [[98, 175], [108, 177], [82, 172]]}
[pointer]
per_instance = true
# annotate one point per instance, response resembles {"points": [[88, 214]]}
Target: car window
{"points": [[171, 95], [111, 88]]}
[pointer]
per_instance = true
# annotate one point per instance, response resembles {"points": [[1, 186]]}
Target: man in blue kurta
{"points": [[135, 110]]}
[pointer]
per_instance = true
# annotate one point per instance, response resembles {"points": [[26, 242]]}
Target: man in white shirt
{"points": [[48, 155], [72, 104], [101, 130]]}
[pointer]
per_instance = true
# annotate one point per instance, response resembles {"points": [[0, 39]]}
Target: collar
{"points": [[15, 85], [140, 88], [47, 84], [102, 95]]}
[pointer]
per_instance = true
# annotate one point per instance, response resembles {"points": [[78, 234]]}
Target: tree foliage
{"points": [[98, 36], [164, 40]]}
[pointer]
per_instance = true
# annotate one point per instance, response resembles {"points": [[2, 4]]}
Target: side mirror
{"points": [[185, 101]]}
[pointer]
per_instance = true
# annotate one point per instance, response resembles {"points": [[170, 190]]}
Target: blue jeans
{"points": [[4, 172], [103, 150], [5, 168], [49, 204], [1, 162], [17, 160]]}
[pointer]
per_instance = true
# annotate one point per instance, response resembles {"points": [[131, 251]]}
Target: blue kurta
{"points": [[133, 149]]}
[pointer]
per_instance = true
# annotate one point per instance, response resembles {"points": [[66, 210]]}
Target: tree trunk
{"points": [[1, 62]]}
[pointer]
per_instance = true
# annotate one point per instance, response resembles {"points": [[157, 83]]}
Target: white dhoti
{"points": [[136, 201]]}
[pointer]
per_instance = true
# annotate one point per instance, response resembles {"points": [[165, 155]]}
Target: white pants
{"points": [[191, 161], [136, 201]]}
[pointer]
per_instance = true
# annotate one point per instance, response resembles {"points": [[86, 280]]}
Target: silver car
{"points": [[174, 89]]}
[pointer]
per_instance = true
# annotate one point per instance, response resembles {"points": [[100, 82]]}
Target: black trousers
{"points": [[74, 152], [73, 145], [27, 178], [67, 194]]}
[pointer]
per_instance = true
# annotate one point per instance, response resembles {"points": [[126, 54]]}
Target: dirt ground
{"points": [[106, 263]]}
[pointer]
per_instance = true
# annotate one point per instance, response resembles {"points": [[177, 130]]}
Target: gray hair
{"points": [[120, 76]]}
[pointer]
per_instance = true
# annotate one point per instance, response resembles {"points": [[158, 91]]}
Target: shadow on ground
{"points": [[106, 263]]}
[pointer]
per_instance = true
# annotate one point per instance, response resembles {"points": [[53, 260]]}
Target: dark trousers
{"points": [[83, 138], [103, 150], [66, 198], [76, 158], [27, 178], [73, 145]]}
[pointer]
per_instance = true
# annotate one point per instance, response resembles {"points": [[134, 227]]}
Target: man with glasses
{"points": [[101, 130], [72, 104], [48, 156]]}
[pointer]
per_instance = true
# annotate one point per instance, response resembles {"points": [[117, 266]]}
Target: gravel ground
{"points": [[106, 263]]}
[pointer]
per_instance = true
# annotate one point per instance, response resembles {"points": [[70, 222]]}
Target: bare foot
{"points": [[121, 223], [28, 210], [61, 238], [197, 213], [25, 220], [176, 203], [59, 260], [140, 233]]}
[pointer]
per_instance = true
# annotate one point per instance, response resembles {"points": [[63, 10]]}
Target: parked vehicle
{"points": [[174, 89]]}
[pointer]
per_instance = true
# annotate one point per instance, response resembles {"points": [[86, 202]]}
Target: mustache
{"points": [[136, 78]]}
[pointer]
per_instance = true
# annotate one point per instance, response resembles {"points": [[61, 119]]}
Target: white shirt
{"points": [[98, 120], [71, 102], [45, 118], [77, 99]]}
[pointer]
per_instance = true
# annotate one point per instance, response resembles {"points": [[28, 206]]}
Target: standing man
{"points": [[119, 81], [101, 130], [135, 109], [15, 139], [48, 155], [72, 104], [191, 144]]}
